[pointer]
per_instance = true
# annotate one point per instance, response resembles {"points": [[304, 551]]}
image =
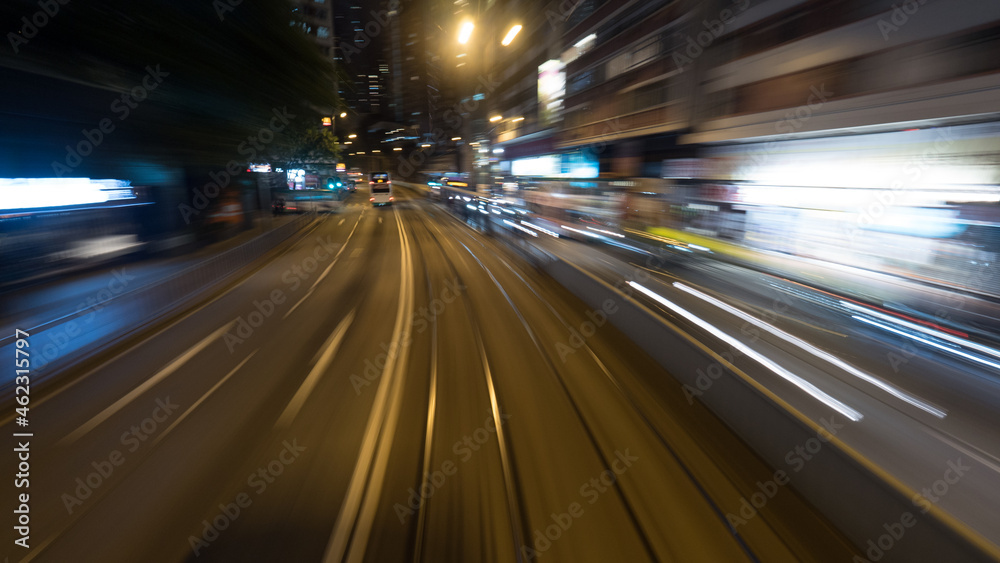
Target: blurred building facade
{"points": [[408, 59], [645, 81], [317, 22], [859, 132]]}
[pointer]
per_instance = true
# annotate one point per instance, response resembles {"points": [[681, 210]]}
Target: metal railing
{"points": [[152, 301]]}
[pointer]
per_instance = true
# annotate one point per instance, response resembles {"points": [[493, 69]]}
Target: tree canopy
{"points": [[226, 69]]}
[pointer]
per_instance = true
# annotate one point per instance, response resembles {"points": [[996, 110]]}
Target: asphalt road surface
{"points": [[393, 386]]}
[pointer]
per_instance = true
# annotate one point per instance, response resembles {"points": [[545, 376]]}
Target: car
{"points": [[335, 183]]}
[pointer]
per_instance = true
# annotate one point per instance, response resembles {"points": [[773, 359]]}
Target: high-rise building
{"points": [[409, 62], [370, 91], [362, 35], [316, 19]]}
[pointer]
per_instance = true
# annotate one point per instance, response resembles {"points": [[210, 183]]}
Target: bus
{"points": [[303, 201], [381, 188]]}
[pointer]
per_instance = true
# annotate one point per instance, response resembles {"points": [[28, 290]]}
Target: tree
{"points": [[226, 67], [314, 145]]}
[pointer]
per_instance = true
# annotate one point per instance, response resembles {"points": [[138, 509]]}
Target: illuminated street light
{"points": [[397, 149], [465, 33], [516, 119], [376, 150], [425, 145], [352, 136], [496, 118], [511, 35], [343, 114], [456, 138]]}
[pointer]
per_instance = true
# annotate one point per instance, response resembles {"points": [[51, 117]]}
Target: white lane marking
{"points": [[341, 222], [296, 306], [929, 331], [201, 400], [145, 386], [830, 358], [325, 271], [7, 420], [42, 546], [329, 351], [937, 345], [795, 380], [336, 256], [356, 252], [351, 510], [379, 220]]}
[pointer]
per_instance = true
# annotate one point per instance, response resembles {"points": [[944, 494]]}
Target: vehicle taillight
{"points": [[371, 199], [390, 198]]}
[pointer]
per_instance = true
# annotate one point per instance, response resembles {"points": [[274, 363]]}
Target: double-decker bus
{"points": [[301, 201], [380, 186]]}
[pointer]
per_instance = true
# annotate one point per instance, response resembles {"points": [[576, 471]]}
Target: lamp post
{"points": [[482, 140], [332, 123]]}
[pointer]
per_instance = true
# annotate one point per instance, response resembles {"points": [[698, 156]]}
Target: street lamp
{"points": [[343, 114], [496, 118], [511, 35], [465, 32], [352, 136]]}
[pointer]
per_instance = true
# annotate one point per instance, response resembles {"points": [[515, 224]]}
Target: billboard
{"points": [[551, 91]]}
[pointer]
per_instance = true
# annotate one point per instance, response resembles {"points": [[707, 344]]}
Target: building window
{"points": [[323, 32], [583, 10], [580, 81], [645, 53]]}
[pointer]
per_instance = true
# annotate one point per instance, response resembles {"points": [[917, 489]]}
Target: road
{"points": [[394, 386], [917, 399]]}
